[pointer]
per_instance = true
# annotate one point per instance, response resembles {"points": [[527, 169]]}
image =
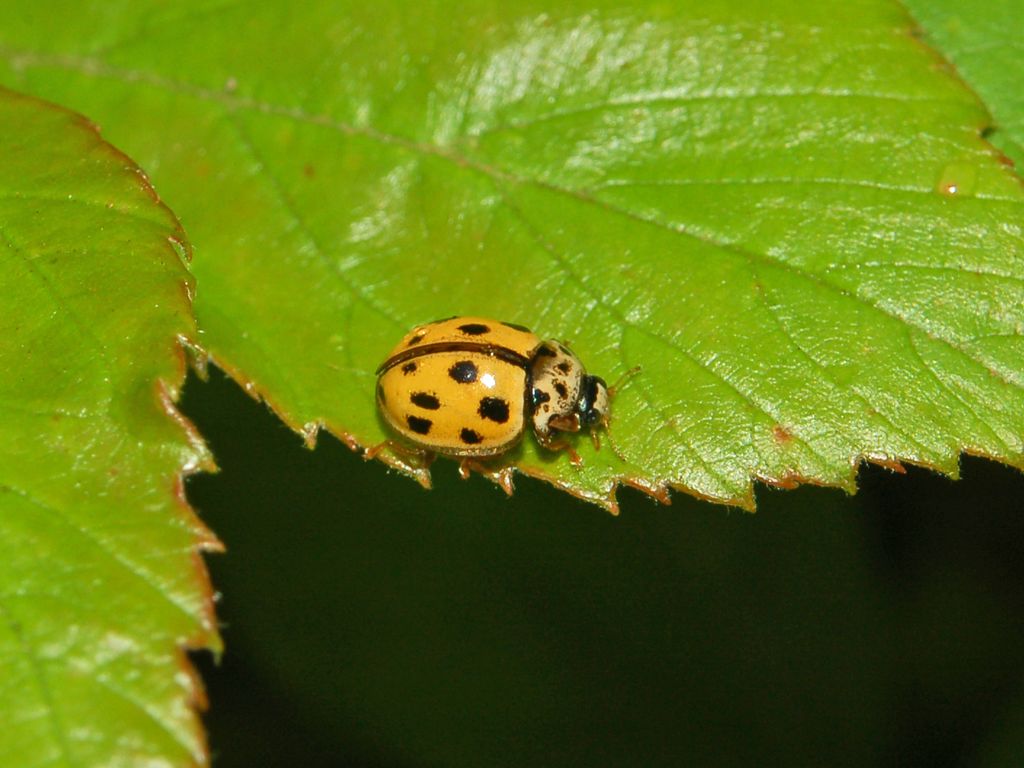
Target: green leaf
{"points": [[983, 41], [784, 213], [100, 583]]}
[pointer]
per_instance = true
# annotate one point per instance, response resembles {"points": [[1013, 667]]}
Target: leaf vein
{"points": [[42, 683], [971, 409], [755, 257], [560, 260], [665, 100], [105, 207], [58, 300], [291, 210], [88, 535], [794, 181], [824, 373]]}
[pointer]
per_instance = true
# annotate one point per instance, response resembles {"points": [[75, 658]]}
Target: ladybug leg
{"points": [[552, 444], [411, 456], [595, 433], [564, 423], [415, 463], [574, 458], [502, 477], [373, 450]]}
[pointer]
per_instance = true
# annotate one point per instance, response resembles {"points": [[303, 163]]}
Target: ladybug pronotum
{"points": [[468, 387]]}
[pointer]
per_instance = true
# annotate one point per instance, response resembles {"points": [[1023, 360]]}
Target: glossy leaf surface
{"points": [[784, 213], [100, 583], [983, 42]]}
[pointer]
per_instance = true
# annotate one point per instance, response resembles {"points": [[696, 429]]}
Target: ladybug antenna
{"points": [[623, 379], [608, 435], [612, 390]]}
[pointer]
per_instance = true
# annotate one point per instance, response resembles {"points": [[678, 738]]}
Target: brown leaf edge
{"points": [[166, 393]]}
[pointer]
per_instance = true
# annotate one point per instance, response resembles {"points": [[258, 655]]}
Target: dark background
{"points": [[370, 623]]}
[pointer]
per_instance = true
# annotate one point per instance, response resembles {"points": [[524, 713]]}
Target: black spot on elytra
{"points": [[408, 368], [546, 351], [418, 425], [518, 327], [469, 437], [494, 409], [416, 339], [561, 390], [474, 329], [564, 366], [425, 400], [463, 372], [540, 397]]}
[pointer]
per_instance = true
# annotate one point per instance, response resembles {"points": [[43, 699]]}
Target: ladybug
{"points": [[468, 387]]}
